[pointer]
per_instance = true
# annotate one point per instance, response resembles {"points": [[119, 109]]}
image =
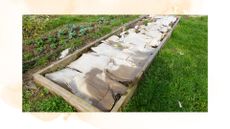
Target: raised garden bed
{"points": [[76, 101]]}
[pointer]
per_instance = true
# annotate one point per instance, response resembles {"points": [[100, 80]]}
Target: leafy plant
{"points": [[39, 49], [84, 29], [27, 55], [39, 42], [101, 20], [53, 45], [73, 27], [60, 33], [29, 42], [52, 39], [43, 60], [62, 42], [72, 31], [72, 35]]}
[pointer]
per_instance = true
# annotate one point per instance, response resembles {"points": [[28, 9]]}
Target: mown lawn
{"points": [[178, 74]]}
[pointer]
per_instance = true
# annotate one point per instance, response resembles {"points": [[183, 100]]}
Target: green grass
{"points": [[178, 73], [43, 101]]}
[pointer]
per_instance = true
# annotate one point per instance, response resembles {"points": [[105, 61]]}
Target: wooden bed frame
{"points": [[79, 103]]}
